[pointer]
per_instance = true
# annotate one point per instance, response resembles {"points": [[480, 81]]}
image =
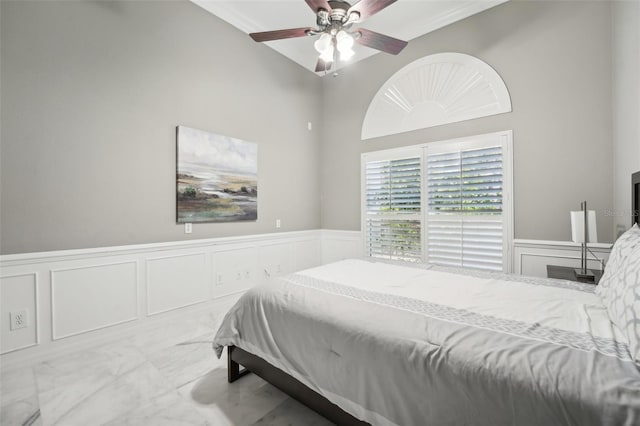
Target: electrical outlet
{"points": [[188, 228], [18, 319], [278, 223]]}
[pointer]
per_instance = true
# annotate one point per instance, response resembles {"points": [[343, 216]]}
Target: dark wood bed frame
{"points": [[635, 198], [238, 357]]}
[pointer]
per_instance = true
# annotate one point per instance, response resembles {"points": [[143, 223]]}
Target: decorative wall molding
{"points": [[66, 315], [308, 254], [338, 245], [531, 257], [181, 280], [77, 254], [91, 297], [11, 299], [232, 274], [434, 90]]}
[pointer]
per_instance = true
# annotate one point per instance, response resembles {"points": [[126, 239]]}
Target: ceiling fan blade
{"points": [[279, 34], [380, 41], [367, 8], [323, 66], [318, 4]]}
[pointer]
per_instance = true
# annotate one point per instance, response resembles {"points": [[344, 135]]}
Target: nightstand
{"points": [[568, 273]]}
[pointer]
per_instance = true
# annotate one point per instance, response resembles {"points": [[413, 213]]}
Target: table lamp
{"points": [[583, 231]]}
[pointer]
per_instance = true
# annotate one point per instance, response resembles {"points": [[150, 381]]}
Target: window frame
{"points": [[502, 138]]}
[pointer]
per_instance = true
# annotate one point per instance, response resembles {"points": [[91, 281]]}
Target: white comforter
{"points": [[419, 345]]}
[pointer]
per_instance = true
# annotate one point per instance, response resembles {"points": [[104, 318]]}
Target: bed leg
{"points": [[233, 368]]}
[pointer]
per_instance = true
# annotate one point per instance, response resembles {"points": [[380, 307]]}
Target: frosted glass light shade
{"points": [[346, 54], [344, 41], [434, 90], [327, 54], [322, 43]]}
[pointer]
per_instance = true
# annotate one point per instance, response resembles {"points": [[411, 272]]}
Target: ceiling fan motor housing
{"points": [[339, 10], [337, 18]]}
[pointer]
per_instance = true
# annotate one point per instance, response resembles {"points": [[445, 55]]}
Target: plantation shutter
{"points": [[392, 209], [465, 223]]}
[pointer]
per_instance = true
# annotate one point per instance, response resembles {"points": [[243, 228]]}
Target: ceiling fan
{"points": [[335, 20]]}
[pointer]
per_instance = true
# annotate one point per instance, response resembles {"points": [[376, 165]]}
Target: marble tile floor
{"points": [[163, 377]]}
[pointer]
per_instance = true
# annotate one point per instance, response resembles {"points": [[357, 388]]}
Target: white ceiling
{"points": [[405, 19]]}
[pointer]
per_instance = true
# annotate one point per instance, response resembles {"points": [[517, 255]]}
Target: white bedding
{"points": [[558, 307], [413, 345]]}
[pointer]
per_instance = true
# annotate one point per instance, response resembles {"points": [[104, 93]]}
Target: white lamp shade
{"points": [[577, 227]]}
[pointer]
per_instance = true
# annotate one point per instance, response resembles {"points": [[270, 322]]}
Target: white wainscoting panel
{"points": [[275, 260], [17, 293], [531, 257], [308, 254], [340, 245], [87, 298], [176, 281], [235, 270], [79, 298]]}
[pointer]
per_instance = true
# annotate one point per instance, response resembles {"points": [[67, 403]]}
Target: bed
{"points": [[370, 341]]}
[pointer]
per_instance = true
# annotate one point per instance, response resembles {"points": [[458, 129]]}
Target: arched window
{"points": [[437, 89]]}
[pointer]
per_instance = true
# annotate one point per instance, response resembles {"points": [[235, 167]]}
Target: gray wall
{"points": [[555, 60], [91, 95], [92, 92], [626, 107]]}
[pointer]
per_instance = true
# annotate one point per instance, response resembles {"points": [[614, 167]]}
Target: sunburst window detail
{"points": [[437, 89]]}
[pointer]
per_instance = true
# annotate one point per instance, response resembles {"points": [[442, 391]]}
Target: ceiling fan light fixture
{"points": [[346, 54], [334, 20], [327, 54], [323, 43], [344, 41]]}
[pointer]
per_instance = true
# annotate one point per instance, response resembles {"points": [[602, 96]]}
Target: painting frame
{"points": [[216, 177]]}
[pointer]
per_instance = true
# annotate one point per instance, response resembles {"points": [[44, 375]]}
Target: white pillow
{"points": [[619, 287]]}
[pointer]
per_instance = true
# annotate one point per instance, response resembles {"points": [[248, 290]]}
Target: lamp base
{"points": [[585, 275]]}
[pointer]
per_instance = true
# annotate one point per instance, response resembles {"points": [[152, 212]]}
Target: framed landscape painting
{"points": [[217, 177]]}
